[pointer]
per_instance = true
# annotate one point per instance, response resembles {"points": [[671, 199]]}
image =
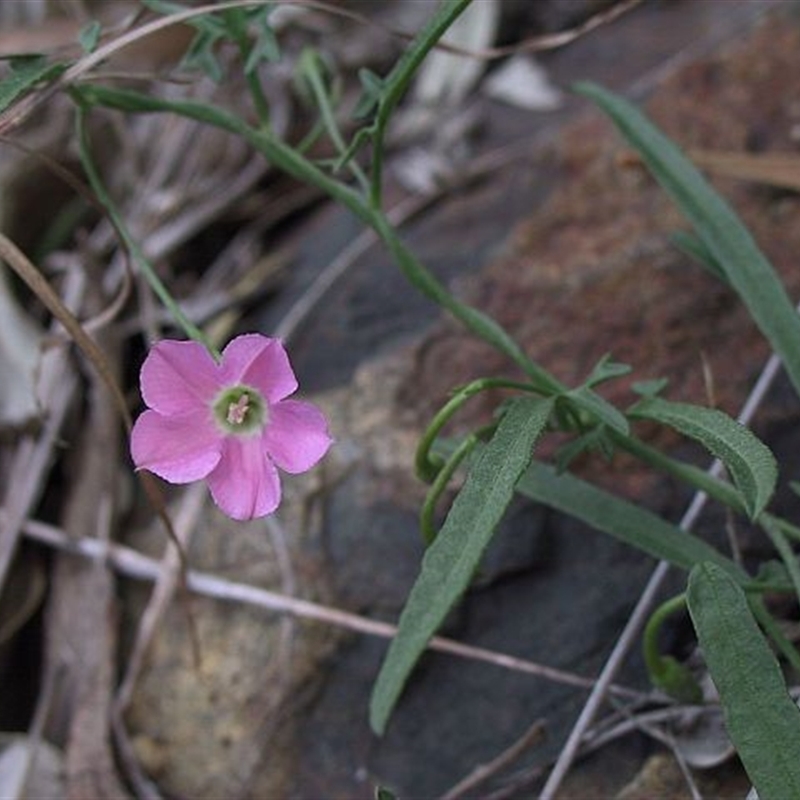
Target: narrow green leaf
{"points": [[26, 72], [266, 46], [450, 562], [650, 388], [599, 408], [400, 77], [750, 462], [202, 55], [723, 235], [371, 89], [624, 521], [594, 440], [89, 36], [397, 82], [606, 370], [762, 719]]}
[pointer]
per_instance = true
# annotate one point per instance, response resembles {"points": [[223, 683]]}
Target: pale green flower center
{"points": [[241, 410]]}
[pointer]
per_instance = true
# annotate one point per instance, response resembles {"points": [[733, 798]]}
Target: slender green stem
{"points": [[439, 485], [665, 672], [259, 100], [699, 479], [264, 141], [322, 99], [237, 25], [397, 82], [191, 330]]}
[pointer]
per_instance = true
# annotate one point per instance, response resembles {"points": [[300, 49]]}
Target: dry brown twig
{"points": [[135, 565], [39, 285], [484, 772], [57, 386]]}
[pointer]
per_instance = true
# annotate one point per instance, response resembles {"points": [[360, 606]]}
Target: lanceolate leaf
{"points": [[762, 719], [26, 73], [750, 462], [452, 559], [723, 235], [588, 400]]}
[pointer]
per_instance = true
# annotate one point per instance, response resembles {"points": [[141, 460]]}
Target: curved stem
{"points": [[665, 672], [427, 468], [439, 485]]}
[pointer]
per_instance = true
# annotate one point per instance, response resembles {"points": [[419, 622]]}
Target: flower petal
{"points": [[245, 484], [296, 436], [260, 362], [179, 377], [178, 449]]}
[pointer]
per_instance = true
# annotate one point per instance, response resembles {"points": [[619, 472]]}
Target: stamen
{"points": [[238, 411]]}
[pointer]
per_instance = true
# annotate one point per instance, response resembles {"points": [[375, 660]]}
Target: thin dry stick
{"points": [[615, 727], [549, 41], [534, 44], [135, 565], [39, 285], [166, 583], [640, 613], [18, 112], [144, 787], [685, 769], [32, 458], [483, 772], [30, 466]]}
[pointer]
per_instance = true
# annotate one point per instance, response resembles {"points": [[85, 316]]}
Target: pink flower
{"points": [[227, 422]]}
